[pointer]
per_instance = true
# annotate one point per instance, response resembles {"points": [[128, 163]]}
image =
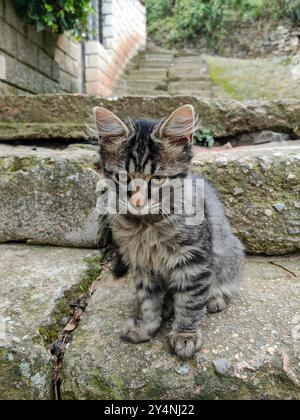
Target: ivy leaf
{"points": [[57, 15]]}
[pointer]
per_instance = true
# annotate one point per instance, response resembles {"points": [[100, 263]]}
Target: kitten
{"points": [[179, 269]]}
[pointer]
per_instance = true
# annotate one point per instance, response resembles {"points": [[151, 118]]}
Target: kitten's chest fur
{"points": [[146, 246]]}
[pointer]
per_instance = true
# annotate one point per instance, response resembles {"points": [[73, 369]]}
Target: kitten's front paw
{"points": [[216, 304], [134, 333], [185, 343]]}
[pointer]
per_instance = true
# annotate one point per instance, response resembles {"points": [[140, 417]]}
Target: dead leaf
{"points": [[72, 325]]}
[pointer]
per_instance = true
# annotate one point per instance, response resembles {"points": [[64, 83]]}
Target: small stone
{"points": [[245, 366], [136, 384], [268, 213], [238, 191], [271, 351], [182, 370], [222, 366], [223, 161], [269, 137], [294, 231], [279, 207], [297, 204], [265, 163]]}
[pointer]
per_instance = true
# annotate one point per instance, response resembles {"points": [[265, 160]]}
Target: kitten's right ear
{"points": [[108, 124]]}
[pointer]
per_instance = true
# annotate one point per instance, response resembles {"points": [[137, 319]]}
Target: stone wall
{"points": [[32, 62], [124, 34], [284, 40], [259, 38]]}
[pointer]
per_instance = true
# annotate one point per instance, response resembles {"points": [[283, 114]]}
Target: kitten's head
{"points": [[154, 151]]}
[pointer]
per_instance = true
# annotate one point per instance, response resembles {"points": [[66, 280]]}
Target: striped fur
{"points": [[178, 269]]}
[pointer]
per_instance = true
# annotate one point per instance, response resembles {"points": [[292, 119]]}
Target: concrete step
{"points": [[158, 57], [188, 60], [191, 93], [55, 202], [188, 86], [251, 351], [160, 64], [153, 80], [34, 283], [56, 195], [144, 84], [145, 73], [145, 92], [200, 72]]}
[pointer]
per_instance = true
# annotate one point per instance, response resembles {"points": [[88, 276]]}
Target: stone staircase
{"points": [[160, 73]]}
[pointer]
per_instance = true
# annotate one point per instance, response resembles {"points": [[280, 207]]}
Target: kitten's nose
{"points": [[139, 193], [138, 200]]}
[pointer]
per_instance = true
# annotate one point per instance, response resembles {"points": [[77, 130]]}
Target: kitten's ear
{"points": [[108, 124], [180, 125]]}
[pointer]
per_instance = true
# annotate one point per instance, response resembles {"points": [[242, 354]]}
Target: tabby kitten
{"points": [[179, 269]]}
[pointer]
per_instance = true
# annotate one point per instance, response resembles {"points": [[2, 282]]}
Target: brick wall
{"points": [[124, 34], [32, 62]]}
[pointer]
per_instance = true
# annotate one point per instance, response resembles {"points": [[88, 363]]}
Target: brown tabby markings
{"points": [[177, 268]]}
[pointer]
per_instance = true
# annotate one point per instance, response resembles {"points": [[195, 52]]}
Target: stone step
{"points": [[135, 84], [188, 59], [189, 86], [158, 57], [151, 79], [189, 73], [251, 350], [159, 64], [55, 201], [34, 283], [192, 93], [145, 73], [144, 92]]}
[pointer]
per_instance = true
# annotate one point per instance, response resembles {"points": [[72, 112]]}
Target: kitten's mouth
{"points": [[142, 213], [139, 210]]}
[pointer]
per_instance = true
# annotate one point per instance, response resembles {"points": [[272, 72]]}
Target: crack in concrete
{"points": [[60, 344]]}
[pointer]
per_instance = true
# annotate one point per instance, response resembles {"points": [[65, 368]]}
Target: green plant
{"points": [[56, 15], [176, 22], [295, 11], [204, 138]]}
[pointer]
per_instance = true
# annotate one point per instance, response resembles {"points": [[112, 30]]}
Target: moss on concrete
{"points": [[25, 378], [218, 77], [65, 117], [250, 185], [261, 79], [55, 199], [50, 332]]}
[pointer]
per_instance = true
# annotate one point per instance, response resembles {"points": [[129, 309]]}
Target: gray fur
{"points": [[177, 268]]}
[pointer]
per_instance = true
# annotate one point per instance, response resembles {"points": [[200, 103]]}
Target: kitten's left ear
{"points": [[180, 125], [108, 124]]}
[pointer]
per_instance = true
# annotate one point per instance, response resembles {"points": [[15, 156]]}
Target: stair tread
{"points": [[162, 72]]}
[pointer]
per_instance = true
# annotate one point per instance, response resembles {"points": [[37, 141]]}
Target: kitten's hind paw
{"points": [[134, 333], [185, 343], [216, 304]]}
